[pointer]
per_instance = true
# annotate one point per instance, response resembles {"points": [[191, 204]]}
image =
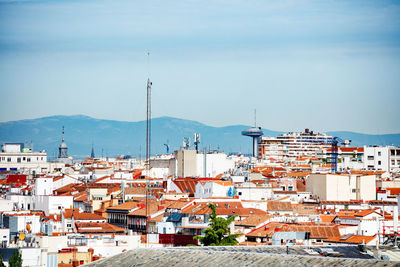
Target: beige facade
{"points": [[186, 163], [342, 187]]}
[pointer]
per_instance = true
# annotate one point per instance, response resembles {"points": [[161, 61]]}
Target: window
{"points": [[23, 158], [8, 159], [68, 225], [290, 188], [18, 160], [379, 153], [28, 159], [370, 157], [240, 193], [353, 190], [379, 162]]}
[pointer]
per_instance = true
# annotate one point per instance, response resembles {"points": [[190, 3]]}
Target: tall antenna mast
{"points": [[148, 145], [255, 117]]}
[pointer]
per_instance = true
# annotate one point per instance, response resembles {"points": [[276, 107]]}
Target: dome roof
{"points": [[63, 145]]}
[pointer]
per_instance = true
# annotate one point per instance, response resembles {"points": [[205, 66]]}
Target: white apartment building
{"points": [[379, 158], [291, 145], [189, 163], [342, 187], [53, 204], [216, 188], [251, 191], [16, 157]]}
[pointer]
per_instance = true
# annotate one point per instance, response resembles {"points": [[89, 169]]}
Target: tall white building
{"points": [[386, 158], [291, 145], [17, 157]]}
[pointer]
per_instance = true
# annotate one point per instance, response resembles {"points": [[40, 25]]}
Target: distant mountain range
{"points": [[111, 138]]}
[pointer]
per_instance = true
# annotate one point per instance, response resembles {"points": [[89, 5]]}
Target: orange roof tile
{"points": [[253, 220], [353, 239]]}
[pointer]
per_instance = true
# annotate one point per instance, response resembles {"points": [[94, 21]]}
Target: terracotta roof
{"points": [[334, 202], [298, 174], [81, 196], [186, 185], [135, 191], [273, 205], [327, 218], [223, 183], [366, 212], [157, 218], [94, 227], [267, 230], [394, 191], [316, 231], [67, 188], [304, 209], [381, 202], [179, 204], [300, 185], [68, 213], [86, 216], [253, 220], [142, 211], [353, 239], [124, 206], [202, 208]]}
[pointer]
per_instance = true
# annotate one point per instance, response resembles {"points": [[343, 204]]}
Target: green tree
{"points": [[16, 259], [1, 261], [218, 234]]}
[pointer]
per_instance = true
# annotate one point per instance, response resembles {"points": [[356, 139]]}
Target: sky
{"points": [[323, 65]]}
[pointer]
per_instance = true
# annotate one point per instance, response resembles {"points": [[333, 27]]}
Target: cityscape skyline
{"points": [[326, 66]]}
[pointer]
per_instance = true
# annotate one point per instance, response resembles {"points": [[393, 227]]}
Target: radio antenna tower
{"points": [[148, 146]]}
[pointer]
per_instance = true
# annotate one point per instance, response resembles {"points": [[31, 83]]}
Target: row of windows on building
{"points": [[19, 159]]}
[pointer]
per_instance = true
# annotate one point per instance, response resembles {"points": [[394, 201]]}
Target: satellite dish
{"points": [[21, 236]]}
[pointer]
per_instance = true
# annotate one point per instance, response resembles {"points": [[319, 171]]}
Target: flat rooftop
{"points": [[242, 256]]}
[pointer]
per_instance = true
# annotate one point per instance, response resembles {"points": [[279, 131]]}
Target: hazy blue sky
{"points": [[325, 65]]}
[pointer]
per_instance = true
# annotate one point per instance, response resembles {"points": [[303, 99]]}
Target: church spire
{"points": [[63, 149], [62, 134], [92, 154]]}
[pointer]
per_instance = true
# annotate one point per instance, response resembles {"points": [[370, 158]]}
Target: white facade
{"points": [[292, 145], [376, 158], [16, 157], [189, 163], [4, 237], [216, 163], [53, 204], [342, 187], [6, 205], [43, 186], [66, 180], [249, 191], [18, 221], [21, 202], [213, 189]]}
